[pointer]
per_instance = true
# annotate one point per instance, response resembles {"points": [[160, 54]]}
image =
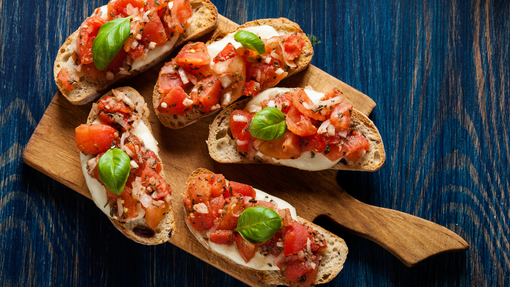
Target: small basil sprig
{"points": [[268, 124], [109, 41], [258, 224], [250, 41], [114, 167]]}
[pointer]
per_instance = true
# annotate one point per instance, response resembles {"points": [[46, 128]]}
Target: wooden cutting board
{"points": [[52, 150]]}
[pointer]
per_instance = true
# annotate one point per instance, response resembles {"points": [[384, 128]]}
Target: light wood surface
{"points": [[52, 150]]}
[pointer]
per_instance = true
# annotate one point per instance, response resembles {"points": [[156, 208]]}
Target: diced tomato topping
{"points": [[355, 146], [243, 189], [333, 152], [96, 138], [335, 92], [311, 275], [169, 78], [200, 189], [244, 141], [341, 116], [134, 144], [152, 161], [265, 74], [187, 202], [87, 34], [137, 51], [224, 237], [228, 52], [117, 62], [286, 217], [124, 8], [315, 143], [295, 239], [173, 102], [286, 147], [63, 76], [177, 18], [200, 221], [293, 45], [303, 103], [247, 54], [251, 89], [111, 105], [128, 205], [217, 204], [271, 245], [246, 249], [154, 215], [231, 213], [265, 204], [154, 31], [294, 270], [207, 93], [239, 120], [156, 4], [299, 124], [217, 182], [193, 56], [282, 102], [202, 72], [182, 11]]}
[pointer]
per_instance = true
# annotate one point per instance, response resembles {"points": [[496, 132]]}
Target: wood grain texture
{"points": [[438, 71]]}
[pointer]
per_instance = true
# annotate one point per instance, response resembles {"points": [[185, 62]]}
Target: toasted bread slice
{"points": [[281, 25], [137, 229], [223, 148], [204, 20], [333, 258]]}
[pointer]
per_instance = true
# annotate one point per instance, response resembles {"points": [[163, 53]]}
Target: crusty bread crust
{"points": [[223, 148], [137, 230], [281, 25], [332, 262], [204, 20]]}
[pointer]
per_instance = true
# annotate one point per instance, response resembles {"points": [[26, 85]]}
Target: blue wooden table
{"points": [[438, 70]]}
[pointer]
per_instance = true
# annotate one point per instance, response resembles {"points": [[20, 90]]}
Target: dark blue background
{"points": [[438, 71]]}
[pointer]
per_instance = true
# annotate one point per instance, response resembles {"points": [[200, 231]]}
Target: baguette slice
{"points": [[204, 20], [223, 148], [281, 25], [332, 262], [137, 230]]}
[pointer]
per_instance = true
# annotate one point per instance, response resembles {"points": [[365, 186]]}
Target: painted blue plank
{"points": [[438, 71]]}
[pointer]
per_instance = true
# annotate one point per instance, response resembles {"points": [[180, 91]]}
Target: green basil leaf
{"points": [[268, 124], [258, 224], [250, 41], [114, 167], [109, 41]]}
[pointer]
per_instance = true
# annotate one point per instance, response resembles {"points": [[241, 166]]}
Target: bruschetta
{"points": [[124, 38], [122, 168], [299, 128], [206, 77], [254, 230]]}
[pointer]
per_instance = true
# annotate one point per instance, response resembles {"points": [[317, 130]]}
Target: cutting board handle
{"points": [[411, 239]]}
